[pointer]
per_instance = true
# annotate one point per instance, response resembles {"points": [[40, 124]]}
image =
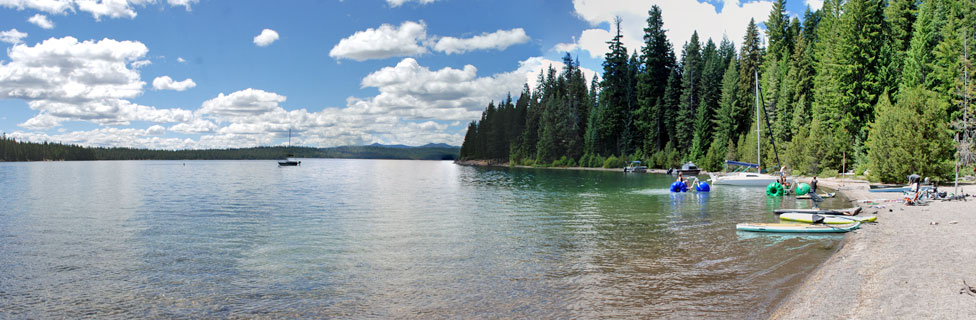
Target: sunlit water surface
{"points": [[382, 239]]}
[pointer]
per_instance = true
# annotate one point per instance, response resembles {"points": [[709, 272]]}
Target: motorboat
{"points": [[636, 167], [688, 169]]}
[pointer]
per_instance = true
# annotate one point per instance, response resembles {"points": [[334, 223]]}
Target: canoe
{"points": [[825, 196], [829, 219], [796, 227], [846, 212], [887, 188]]}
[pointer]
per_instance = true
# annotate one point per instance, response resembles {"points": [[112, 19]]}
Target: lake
{"points": [[384, 239]]}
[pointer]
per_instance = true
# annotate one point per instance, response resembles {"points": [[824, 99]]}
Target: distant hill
{"points": [[11, 150]]}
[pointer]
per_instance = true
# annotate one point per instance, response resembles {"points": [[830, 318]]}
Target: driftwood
{"points": [[967, 289]]}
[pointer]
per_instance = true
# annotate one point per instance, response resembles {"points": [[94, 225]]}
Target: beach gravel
{"points": [[909, 265]]}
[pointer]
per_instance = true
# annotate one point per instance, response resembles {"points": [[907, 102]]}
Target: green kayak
{"points": [[796, 227]]}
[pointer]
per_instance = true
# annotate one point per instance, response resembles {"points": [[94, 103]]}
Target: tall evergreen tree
{"points": [[724, 120], [750, 58], [690, 97], [613, 97], [711, 93], [657, 58]]}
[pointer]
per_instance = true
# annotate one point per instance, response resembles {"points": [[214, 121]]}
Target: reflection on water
{"points": [[363, 238]]}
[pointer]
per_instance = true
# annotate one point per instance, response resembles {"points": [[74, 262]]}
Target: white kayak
{"points": [[796, 227], [829, 219], [846, 212]]}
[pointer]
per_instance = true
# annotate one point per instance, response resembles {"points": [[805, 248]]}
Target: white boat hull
{"points": [[746, 179]]}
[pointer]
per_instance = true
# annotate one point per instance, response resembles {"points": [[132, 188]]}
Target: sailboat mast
{"points": [[758, 134]]}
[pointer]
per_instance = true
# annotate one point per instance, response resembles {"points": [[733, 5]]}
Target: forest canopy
{"points": [[878, 87]]}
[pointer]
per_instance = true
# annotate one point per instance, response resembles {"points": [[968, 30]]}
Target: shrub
{"points": [[829, 173], [613, 162]]}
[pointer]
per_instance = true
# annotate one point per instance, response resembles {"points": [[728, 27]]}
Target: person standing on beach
{"points": [[813, 185]]}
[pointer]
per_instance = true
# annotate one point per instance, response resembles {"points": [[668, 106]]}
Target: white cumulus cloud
{"points": [[184, 3], [383, 42], [12, 36], [41, 21], [167, 83], [245, 103], [110, 8], [397, 3], [415, 92], [69, 80], [498, 40], [49, 6], [814, 4], [266, 37]]}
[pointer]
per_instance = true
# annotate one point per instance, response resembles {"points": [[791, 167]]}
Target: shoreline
{"points": [[910, 264]]}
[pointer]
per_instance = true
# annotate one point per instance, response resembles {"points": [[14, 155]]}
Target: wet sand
{"points": [[909, 265]]}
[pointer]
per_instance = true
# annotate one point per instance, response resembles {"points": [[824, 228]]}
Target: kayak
{"points": [[846, 212], [825, 196], [829, 219], [796, 227]]}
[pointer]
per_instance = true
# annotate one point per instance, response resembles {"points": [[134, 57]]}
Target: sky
{"points": [[196, 74]]}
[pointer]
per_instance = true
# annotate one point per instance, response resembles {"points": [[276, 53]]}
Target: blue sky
{"points": [[175, 74]]}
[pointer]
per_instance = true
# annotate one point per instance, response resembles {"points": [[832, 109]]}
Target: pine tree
{"points": [[910, 136], [750, 58], [613, 97], [724, 119], [657, 58], [690, 97], [710, 92]]}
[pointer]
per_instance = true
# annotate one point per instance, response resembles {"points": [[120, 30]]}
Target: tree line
{"points": [[12, 150], [874, 86]]}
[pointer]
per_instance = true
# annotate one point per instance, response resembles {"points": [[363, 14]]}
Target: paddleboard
{"points": [[829, 219], [846, 212], [825, 196], [796, 227]]}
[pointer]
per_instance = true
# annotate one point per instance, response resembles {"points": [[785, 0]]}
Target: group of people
{"points": [[786, 183]]}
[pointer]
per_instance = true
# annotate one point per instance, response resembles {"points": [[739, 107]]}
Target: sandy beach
{"points": [[909, 265]]}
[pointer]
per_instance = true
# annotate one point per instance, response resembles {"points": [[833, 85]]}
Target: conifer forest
{"points": [[882, 88]]}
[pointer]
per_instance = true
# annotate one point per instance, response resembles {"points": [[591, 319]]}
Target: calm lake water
{"points": [[384, 239]]}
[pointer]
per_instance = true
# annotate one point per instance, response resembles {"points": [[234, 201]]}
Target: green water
{"points": [[384, 239]]}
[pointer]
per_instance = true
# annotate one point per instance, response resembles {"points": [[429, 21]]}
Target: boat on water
{"points": [[289, 160], [741, 177], [636, 167], [797, 227], [687, 169]]}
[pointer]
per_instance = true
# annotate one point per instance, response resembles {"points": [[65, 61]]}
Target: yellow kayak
{"points": [[829, 219]]}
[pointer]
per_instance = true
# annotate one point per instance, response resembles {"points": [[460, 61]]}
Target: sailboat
{"points": [[289, 161], [741, 177]]}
